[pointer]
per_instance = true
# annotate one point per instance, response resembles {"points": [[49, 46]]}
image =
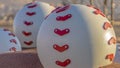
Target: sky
{"points": [[12, 6]]}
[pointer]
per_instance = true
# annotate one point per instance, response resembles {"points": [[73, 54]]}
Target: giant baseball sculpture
{"points": [[28, 20], [8, 42], [76, 36]]}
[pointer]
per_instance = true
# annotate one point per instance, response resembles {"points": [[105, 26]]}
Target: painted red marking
{"points": [[28, 23], [5, 30], [30, 13], [63, 18], [26, 33], [112, 41], [107, 25], [61, 32], [12, 49], [110, 57], [11, 34], [32, 6], [97, 11], [63, 64], [13, 41], [63, 9], [28, 43], [55, 9], [60, 48]]}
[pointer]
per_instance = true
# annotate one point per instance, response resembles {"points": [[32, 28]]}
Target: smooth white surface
{"points": [[87, 40], [5, 44], [42, 10]]}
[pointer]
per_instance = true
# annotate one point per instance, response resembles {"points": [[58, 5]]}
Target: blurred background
{"points": [[111, 8]]}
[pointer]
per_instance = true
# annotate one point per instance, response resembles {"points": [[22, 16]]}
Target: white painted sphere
{"points": [[28, 20], [76, 36], [8, 42]]}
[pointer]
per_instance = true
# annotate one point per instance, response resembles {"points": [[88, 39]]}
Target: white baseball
{"points": [[8, 41], [28, 20], [76, 36]]}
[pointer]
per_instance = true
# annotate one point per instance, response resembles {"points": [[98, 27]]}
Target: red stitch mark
{"points": [[28, 43], [13, 41], [61, 32], [30, 13], [26, 33], [55, 9], [63, 64], [32, 6], [60, 48], [5, 30], [110, 57], [63, 9], [97, 11], [63, 18], [107, 25], [112, 41], [28, 23], [12, 49], [11, 34]]}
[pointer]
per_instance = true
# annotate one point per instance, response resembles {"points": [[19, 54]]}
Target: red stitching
{"points": [[30, 13], [64, 63], [60, 48], [5, 29], [12, 49], [63, 9], [28, 43], [110, 57], [61, 32], [26, 33], [63, 18], [55, 9], [112, 41], [107, 25], [32, 6], [28, 23], [13, 41], [11, 34], [97, 11]]}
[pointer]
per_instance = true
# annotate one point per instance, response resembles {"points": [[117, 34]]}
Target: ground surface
{"points": [[28, 58]]}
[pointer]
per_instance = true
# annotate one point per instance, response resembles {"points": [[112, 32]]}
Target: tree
{"points": [[33, 0], [112, 11], [73, 1], [105, 10], [91, 2], [65, 2]]}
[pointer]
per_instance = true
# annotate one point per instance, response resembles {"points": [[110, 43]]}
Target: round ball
{"points": [[76, 36]]}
